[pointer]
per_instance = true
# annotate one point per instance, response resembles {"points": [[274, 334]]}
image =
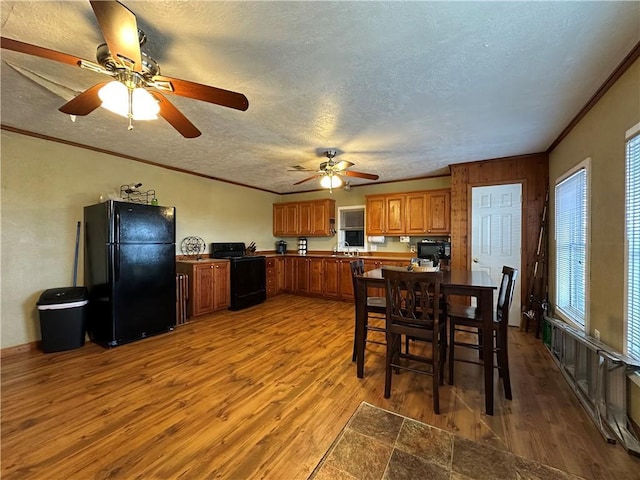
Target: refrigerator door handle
{"points": [[116, 228], [116, 262]]}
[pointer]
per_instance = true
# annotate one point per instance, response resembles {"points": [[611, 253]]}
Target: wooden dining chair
{"points": [[466, 320], [413, 310], [376, 309]]}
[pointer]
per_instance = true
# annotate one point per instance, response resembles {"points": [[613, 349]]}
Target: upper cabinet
{"points": [[313, 218], [411, 213]]}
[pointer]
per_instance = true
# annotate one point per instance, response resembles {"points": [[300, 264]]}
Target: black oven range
{"points": [[247, 274]]}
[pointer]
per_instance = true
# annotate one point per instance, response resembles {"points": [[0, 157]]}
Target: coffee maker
{"points": [[281, 247]]}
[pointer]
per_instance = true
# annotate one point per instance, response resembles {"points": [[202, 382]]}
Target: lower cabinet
{"points": [[275, 275], [316, 276], [346, 280], [329, 277], [208, 285], [332, 278]]}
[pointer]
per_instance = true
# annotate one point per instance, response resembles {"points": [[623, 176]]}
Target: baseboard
{"points": [[25, 348]]}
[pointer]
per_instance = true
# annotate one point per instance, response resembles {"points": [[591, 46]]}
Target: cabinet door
{"points": [[346, 281], [305, 212], [316, 276], [439, 212], [332, 277], [320, 218], [302, 275], [221, 286], [291, 219], [375, 215], [416, 213], [203, 301], [394, 214], [290, 274], [280, 274], [279, 220]]}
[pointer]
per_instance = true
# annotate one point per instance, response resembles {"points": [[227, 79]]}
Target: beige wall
{"points": [[44, 188], [601, 137]]}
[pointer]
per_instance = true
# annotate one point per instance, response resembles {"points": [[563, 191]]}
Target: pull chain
{"points": [[130, 114]]}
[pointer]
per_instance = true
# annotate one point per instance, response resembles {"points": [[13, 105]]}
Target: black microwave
{"points": [[439, 250]]}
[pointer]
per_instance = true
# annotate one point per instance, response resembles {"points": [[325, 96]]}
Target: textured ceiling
{"points": [[401, 89]]}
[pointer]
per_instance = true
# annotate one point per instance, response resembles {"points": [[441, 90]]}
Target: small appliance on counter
{"points": [[302, 245], [281, 247]]}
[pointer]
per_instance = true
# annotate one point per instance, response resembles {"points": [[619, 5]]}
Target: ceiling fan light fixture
{"points": [[115, 97], [330, 181]]}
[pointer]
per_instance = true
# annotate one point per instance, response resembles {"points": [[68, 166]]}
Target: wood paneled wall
{"points": [[532, 171]]}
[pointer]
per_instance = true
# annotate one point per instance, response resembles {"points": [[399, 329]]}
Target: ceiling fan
{"points": [[136, 90], [330, 172]]}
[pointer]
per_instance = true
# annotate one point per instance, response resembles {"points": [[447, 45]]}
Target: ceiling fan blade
{"points": [[29, 49], [120, 31], [343, 165], [368, 176], [205, 93], [84, 103], [306, 179], [171, 114]]}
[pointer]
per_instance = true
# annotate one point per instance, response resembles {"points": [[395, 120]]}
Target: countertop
{"points": [[271, 254]]}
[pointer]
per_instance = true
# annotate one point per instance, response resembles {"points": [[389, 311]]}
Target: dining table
{"points": [[468, 283]]}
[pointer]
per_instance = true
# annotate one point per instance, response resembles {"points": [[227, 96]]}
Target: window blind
{"points": [[632, 221], [571, 246]]}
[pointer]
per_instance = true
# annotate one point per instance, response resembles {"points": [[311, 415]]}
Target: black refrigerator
{"points": [[130, 270]]}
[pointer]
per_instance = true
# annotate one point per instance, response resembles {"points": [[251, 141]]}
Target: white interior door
{"points": [[496, 234]]}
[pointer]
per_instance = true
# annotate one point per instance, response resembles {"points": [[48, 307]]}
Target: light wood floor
{"points": [[262, 393]]}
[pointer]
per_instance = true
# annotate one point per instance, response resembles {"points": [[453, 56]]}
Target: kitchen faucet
{"points": [[346, 245]]}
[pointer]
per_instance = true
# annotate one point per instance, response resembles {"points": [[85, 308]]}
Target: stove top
{"points": [[228, 250]]}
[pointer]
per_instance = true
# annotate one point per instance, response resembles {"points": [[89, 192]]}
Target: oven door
{"points": [[248, 282]]}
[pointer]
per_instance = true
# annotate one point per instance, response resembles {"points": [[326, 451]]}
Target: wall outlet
{"points": [[404, 239], [413, 248], [373, 248], [596, 333]]}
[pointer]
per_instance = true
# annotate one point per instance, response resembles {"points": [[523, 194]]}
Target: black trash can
{"points": [[63, 316]]}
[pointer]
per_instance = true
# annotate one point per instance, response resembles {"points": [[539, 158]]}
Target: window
{"points": [[351, 227], [571, 216], [632, 227]]}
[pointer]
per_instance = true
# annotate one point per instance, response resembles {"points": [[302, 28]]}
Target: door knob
{"points": [[475, 260]]}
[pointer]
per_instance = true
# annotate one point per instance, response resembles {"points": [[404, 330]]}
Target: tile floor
{"points": [[377, 444]]}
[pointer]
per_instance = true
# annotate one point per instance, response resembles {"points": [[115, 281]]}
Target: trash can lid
{"points": [[63, 295]]}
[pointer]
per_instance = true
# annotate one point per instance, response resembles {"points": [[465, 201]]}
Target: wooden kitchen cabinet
{"points": [[314, 218], [415, 213], [412, 213], [285, 219], [301, 272], [439, 212], [208, 285], [316, 276], [375, 211], [328, 277], [394, 214], [274, 275], [332, 278], [338, 283], [346, 280], [289, 268]]}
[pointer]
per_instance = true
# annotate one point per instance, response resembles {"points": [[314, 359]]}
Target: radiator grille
{"points": [[598, 376], [182, 295]]}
